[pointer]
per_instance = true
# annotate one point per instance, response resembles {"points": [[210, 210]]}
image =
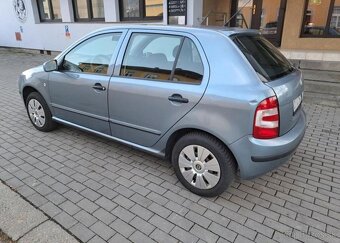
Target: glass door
{"points": [[264, 15], [268, 17], [245, 14]]}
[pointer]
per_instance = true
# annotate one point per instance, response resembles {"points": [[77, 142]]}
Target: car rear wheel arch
{"points": [[175, 136], [203, 164]]}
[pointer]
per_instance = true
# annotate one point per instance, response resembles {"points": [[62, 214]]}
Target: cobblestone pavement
{"points": [[101, 191]]}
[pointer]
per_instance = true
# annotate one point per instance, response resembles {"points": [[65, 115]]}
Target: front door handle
{"points": [[178, 98], [98, 86]]}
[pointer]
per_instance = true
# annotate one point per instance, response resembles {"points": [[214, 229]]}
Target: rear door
{"points": [[161, 76], [276, 72]]}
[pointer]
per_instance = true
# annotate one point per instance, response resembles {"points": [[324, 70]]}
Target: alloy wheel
{"points": [[36, 112], [199, 166]]}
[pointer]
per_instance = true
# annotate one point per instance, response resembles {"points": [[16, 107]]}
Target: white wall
{"points": [[51, 36]]}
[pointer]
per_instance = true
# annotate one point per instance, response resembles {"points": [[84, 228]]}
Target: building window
{"points": [[335, 20], [141, 10], [89, 10], [321, 19], [49, 10]]}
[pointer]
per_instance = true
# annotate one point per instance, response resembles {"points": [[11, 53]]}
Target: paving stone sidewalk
{"points": [[23, 223], [102, 191]]}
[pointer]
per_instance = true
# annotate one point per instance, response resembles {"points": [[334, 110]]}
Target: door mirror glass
{"points": [[50, 66]]}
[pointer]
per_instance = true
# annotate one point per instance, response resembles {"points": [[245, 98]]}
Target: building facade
{"points": [[303, 29]]}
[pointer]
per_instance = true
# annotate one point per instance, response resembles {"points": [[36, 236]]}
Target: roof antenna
{"points": [[235, 14]]}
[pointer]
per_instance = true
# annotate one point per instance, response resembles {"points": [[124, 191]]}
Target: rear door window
{"points": [[267, 61], [189, 66], [150, 56], [162, 57]]}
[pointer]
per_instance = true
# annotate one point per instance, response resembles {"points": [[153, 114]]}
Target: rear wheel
{"points": [[203, 164], [39, 112]]}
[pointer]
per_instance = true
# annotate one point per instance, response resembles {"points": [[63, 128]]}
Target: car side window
{"points": [[189, 66], [162, 57], [93, 55], [150, 56]]}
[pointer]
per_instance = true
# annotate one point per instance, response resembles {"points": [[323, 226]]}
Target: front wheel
{"points": [[39, 112], [203, 164]]}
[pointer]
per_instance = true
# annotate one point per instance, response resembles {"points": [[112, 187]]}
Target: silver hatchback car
{"points": [[212, 101]]}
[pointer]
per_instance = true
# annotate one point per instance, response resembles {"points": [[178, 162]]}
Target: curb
{"points": [[23, 223]]}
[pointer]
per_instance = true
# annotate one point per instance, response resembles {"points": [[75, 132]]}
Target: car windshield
{"points": [[267, 61]]}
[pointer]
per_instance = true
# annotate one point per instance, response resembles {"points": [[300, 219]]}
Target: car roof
{"points": [[188, 29]]}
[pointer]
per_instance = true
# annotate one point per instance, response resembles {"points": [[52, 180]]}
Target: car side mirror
{"points": [[50, 66]]}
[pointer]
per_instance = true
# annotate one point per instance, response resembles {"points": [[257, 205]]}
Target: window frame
{"points": [[327, 26], [89, 12], [142, 11], [50, 9], [172, 73]]}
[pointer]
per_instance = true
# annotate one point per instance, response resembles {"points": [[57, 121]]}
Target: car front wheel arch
{"points": [[27, 90]]}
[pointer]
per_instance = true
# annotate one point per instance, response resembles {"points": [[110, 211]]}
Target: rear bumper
{"points": [[259, 156]]}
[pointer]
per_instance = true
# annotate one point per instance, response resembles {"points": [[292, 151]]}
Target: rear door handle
{"points": [[98, 86], [178, 98]]}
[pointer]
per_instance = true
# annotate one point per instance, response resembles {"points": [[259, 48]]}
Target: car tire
{"points": [[207, 178], [39, 113]]}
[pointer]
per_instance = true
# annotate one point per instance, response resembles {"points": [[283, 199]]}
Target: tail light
{"points": [[266, 120]]}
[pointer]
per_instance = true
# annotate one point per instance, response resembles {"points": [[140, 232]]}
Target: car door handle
{"points": [[178, 98], [98, 86]]}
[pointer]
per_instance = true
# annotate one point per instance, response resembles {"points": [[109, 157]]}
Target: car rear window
{"points": [[267, 61]]}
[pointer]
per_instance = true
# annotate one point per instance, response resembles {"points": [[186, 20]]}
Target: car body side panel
{"points": [[287, 89], [225, 111], [272, 152], [36, 78], [140, 110], [74, 99]]}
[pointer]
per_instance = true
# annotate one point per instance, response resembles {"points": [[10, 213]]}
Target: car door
{"points": [[79, 88], [159, 77]]}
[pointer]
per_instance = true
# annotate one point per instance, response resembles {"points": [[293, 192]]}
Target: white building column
{"points": [[66, 9], [195, 12], [35, 11], [111, 11], [165, 12]]}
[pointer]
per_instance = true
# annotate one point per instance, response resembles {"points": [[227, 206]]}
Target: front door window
{"points": [[93, 55]]}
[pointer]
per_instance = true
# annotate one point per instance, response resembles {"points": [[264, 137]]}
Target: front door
{"points": [[159, 78], [79, 88], [264, 15]]}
